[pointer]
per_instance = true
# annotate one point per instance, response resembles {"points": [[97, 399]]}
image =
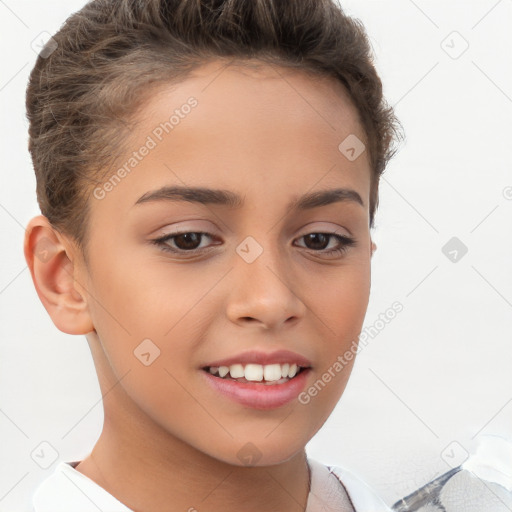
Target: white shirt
{"points": [[67, 489]]}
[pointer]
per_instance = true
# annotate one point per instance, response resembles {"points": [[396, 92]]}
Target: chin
{"points": [[259, 453]]}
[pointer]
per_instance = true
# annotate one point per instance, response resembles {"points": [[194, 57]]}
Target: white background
{"points": [[439, 373]]}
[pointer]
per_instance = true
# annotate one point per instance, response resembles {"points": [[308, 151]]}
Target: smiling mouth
{"points": [[270, 374]]}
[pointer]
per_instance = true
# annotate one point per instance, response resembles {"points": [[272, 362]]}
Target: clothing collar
{"points": [[68, 489]]}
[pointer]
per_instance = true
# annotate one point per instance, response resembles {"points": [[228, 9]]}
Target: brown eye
{"points": [[318, 242], [188, 241]]}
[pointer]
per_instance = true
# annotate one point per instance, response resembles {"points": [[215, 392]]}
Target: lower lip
{"points": [[257, 395]]}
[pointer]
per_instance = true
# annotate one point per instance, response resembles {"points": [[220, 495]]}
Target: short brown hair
{"points": [[80, 98]]}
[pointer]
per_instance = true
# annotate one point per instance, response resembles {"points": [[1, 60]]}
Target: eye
{"points": [[187, 241], [344, 242], [190, 242]]}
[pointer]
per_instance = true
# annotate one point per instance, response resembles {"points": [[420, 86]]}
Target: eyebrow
{"points": [[228, 198]]}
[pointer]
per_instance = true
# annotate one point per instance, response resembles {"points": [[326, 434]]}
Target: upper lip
{"points": [[263, 358]]}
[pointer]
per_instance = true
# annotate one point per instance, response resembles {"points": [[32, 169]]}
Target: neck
{"points": [[150, 474]]}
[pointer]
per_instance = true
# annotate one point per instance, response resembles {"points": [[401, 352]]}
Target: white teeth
{"points": [[272, 372], [254, 372], [236, 371], [223, 371], [292, 371]]}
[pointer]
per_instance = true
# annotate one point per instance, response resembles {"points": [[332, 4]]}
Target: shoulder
{"points": [[66, 488], [362, 496]]}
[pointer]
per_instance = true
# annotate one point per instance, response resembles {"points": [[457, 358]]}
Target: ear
{"points": [[373, 248], [52, 260]]}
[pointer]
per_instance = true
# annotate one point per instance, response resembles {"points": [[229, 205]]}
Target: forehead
{"points": [[254, 127], [255, 92]]}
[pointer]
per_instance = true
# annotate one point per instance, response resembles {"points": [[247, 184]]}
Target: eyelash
{"points": [[344, 240]]}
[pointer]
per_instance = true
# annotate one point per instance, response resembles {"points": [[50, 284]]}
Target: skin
{"points": [[270, 134]]}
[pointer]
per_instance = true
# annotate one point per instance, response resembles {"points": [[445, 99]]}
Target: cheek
{"points": [[137, 318], [123, 311], [145, 307], [342, 307], [138, 296], [342, 303]]}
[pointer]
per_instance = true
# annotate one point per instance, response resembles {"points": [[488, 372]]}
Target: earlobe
{"points": [[373, 249], [50, 260]]}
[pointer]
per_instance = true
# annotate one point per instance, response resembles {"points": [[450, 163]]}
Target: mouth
{"points": [[259, 380], [268, 375]]}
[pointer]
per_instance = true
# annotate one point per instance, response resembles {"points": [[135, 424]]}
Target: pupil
{"points": [[313, 236], [188, 236]]}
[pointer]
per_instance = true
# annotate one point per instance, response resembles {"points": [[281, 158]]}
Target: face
{"points": [[263, 265]]}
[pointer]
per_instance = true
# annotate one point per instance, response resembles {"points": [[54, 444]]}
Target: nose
{"points": [[266, 291]]}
